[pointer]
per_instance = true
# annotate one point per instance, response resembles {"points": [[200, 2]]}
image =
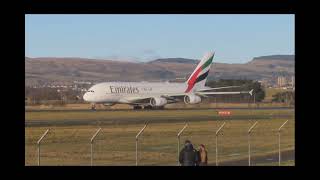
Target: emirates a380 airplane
{"points": [[157, 94]]}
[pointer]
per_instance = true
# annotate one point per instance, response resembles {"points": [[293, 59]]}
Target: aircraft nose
{"points": [[85, 97]]}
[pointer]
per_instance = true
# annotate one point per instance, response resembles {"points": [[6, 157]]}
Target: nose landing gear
{"points": [[93, 107]]}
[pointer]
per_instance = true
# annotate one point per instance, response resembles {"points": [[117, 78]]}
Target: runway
{"points": [[104, 118], [171, 109]]}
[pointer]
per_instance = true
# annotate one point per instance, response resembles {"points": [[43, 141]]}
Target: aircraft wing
{"points": [[201, 93], [218, 93], [146, 100], [137, 100], [225, 87], [172, 98]]}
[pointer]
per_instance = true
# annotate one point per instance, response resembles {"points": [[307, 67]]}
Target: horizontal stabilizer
{"points": [[251, 92]]}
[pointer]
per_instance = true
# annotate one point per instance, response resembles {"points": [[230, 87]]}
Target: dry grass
{"points": [[115, 145]]}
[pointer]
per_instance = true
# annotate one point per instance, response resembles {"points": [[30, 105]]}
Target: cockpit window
{"points": [[90, 91]]}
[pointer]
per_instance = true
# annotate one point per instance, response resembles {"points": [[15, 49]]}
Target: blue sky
{"points": [[234, 38]]}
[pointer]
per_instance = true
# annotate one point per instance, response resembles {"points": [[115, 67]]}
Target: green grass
{"points": [[115, 145]]}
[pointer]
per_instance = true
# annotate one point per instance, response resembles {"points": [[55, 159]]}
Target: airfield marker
{"points": [[38, 143]]}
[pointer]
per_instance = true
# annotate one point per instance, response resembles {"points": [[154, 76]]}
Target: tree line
{"points": [[284, 97], [245, 85], [58, 96]]}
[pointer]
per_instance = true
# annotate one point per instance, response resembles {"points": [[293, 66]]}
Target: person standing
{"points": [[188, 155], [203, 156]]}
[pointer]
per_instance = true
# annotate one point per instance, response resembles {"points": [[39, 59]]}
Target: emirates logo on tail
{"points": [[201, 72]]}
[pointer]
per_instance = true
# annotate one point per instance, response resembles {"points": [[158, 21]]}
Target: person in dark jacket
{"points": [[188, 155]]}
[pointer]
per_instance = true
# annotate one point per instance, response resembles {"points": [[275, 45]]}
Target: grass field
{"points": [[272, 91], [115, 145]]}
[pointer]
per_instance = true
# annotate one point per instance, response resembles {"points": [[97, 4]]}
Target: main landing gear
{"points": [[137, 107], [154, 107], [148, 107]]}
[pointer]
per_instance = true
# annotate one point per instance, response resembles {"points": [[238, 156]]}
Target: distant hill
{"points": [[276, 57], [57, 70], [175, 60]]}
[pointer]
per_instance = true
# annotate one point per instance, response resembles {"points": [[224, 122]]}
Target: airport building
{"points": [[292, 81], [286, 82], [282, 81]]}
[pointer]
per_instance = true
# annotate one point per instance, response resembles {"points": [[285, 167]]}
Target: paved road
{"points": [[256, 160]]}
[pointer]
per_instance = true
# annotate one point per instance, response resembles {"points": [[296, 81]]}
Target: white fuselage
{"points": [[157, 94], [120, 92]]}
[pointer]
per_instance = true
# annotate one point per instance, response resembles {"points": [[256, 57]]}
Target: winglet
{"points": [[251, 92]]}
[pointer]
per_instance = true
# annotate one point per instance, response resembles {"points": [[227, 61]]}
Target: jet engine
{"points": [[158, 101], [109, 104], [192, 99]]}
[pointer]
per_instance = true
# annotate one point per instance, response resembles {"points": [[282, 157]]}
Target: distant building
{"points": [[292, 81], [266, 82], [82, 82], [282, 81]]}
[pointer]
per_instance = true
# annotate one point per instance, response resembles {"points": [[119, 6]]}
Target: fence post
{"points": [[249, 144], [180, 132], [137, 138], [279, 140], [217, 133], [38, 143], [91, 143]]}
